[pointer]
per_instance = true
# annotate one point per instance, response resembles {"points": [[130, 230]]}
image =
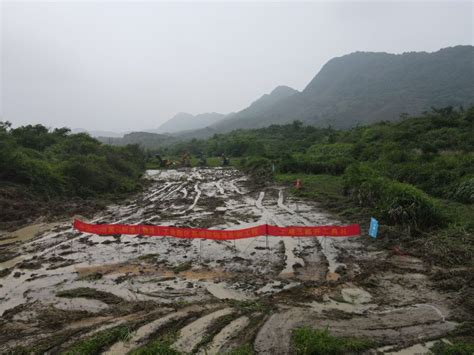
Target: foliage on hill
{"points": [[56, 163]]}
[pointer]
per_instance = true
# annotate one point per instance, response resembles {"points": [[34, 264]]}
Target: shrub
{"points": [[35, 172], [329, 158], [464, 191], [260, 169], [308, 341], [56, 163], [394, 202], [100, 341], [441, 348]]}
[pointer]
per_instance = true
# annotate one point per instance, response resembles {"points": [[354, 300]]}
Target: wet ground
{"points": [[59, 286]]}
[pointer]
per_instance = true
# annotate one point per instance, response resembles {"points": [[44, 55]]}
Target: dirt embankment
{"points": [[64, 289], [20, 207]]}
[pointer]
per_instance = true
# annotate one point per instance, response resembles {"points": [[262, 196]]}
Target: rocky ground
{"points": [[60, 287]]}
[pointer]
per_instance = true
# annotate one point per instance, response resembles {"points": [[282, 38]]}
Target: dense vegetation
{"points": [[434, 152], [417, 174], [55, 163], [309, 341]]}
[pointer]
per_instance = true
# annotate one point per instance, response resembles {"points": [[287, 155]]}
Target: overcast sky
{"points": [[130, 66]]}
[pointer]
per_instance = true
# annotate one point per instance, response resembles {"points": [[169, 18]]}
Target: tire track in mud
{"points": [[142, 334], [195, 201], [173, 191], [289, 243], [234, 187], [219, 187], [327, 244], [192, 334], [156, 192]]}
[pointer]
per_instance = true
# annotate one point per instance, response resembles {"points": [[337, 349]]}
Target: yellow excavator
{"points": [[164, 163]]}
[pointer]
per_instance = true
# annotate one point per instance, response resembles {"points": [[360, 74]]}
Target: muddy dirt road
{"points": [[60, 287]]}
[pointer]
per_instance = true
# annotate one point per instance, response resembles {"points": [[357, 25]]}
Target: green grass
{"points": [[100, 341], [460, 348], [320, 185], [160, 345], [308, 341], [245, 349], [328, 191], [459, 214], [451, 245]]}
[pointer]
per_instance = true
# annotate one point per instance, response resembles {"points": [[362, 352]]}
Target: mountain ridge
{"points": [[184, 121], [358, 89], [366, 87]]}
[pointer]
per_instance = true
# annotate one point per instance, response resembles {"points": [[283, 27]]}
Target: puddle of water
{"points": [[27, 233], [12, 262]]}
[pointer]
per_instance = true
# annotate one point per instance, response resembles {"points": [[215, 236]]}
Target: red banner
{"points": [[352, 230]]}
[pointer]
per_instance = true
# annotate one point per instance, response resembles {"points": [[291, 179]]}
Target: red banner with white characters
{"points": [[352, 230]]}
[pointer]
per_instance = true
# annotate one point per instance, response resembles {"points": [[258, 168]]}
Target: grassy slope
{"points": [[450, 245]]}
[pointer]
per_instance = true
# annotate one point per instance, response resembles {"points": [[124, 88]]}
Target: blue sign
{"points": [[374, 227]]}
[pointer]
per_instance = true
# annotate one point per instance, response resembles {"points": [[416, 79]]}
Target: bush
{"points": [[55, 163], [394, 202], [35, 172], [441, 348], [100, 341], [464, 191], [319, 159], [308, 341]]}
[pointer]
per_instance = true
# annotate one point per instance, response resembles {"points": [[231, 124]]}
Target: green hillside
{"points": [[46, 171], [366, 87]]}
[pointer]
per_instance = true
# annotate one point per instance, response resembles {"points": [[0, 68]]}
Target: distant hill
{"points": [[144, 139], [185, 122], [355, 89], [365, 87], [256, 109], [98, 133]]}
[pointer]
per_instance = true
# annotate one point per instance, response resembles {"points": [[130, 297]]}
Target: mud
{"points": [[262, 287]]}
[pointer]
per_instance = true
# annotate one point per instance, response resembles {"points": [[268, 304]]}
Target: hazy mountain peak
{"points": [[365, 87], [283, 90], [183, 121], [266, 100]]}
